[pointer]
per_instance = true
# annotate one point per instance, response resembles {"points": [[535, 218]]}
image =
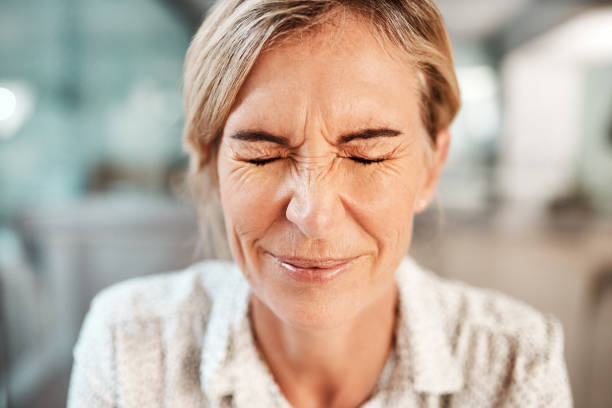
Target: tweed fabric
{"points": [[184, 339]]}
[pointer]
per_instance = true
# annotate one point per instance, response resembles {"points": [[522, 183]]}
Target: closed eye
{"points": [[366, 161], [361, 160], [261, 162]]}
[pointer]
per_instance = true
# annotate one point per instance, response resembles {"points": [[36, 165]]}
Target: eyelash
{"points": [[360, 160], [366, 162], [262, 162]]}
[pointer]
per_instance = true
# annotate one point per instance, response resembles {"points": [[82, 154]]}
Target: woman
{"points": [[323, 126]]}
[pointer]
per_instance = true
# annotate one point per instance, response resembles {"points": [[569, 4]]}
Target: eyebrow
{"points": [[369, 134], [262, 136], [259, 136]]}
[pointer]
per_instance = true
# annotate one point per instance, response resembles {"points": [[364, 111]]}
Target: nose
{"points": [[315, 206]]}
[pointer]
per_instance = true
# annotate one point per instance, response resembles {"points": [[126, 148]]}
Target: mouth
{"points": [[307, 270]]}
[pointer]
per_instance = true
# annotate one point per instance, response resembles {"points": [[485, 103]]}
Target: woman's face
{"points": [[322, 164]]}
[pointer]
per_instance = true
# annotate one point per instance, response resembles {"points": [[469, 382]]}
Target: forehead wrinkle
{"points": [[315, 169], [315, 124], [337, 115]]}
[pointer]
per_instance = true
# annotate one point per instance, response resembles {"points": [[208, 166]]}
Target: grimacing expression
{"points": [[324, 156]]}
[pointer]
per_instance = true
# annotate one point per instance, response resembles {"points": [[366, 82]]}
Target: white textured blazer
{"points": [[183, 339]]}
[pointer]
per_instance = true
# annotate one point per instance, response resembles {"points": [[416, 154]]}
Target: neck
{"points": [[332, 368]]}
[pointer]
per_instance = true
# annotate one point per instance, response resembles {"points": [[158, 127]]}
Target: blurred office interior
{"points": [[91, 171]]}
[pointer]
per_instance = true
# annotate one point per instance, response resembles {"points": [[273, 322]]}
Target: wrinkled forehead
{"points": [[341, 70]]}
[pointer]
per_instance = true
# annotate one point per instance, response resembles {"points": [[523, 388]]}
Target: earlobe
{"points": [[421, 205]]}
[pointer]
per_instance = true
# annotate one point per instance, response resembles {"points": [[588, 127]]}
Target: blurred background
{"points": [[91, 171]]}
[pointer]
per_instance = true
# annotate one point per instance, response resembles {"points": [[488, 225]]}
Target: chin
{"points": [[316, 307], [316, 299], [315, 313]]}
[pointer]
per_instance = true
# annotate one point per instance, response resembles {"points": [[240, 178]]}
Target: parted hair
{"points": [[235, 32]]}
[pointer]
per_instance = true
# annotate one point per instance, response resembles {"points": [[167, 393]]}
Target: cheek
{"points": [[250, 203], [384, 199]]}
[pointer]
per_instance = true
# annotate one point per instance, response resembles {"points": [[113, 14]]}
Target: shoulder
{"points": [[506, 352], [164, 296], [500, 318], [141, 321], [485, 326]]}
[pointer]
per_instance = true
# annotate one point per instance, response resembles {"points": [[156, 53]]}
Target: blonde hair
{"points": [[235, 32]]}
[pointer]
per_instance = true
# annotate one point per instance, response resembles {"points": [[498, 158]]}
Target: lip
{"points": [[307, 270]]}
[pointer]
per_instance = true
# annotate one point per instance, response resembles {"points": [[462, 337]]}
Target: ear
{"points": [[428, 190]]}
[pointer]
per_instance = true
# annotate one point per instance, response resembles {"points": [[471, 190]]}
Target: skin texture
{"points": [[314, 198]]}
